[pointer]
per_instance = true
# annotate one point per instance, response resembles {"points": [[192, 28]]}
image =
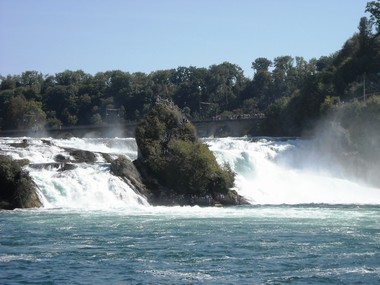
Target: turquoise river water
{"points": [[307, 224]]}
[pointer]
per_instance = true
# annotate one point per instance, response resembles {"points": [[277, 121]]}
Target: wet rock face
{"points": [[83, 156], [122, 166], [17, 189], [22, 144], [125, 168], [60, 158]]}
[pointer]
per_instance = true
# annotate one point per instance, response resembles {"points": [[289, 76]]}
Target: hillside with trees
{"points": [[292, 92]]}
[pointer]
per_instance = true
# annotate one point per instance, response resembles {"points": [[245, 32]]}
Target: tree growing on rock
{"points": [[171, 152]]}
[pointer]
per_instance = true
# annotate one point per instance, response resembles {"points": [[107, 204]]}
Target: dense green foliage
{"points": [[291, 91], [169, 148], [17, 189]]}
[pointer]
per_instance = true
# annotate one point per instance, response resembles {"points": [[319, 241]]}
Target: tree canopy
{"points": [[290, 91]]}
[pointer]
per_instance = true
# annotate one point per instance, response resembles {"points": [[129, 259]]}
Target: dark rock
{"points": [[22, 144], [107, 157], [122, 166], [47, 165], [68, 166], [47, 142], [17, 189], [50, 165], [60, 158], [125, 168], [83, 156]]}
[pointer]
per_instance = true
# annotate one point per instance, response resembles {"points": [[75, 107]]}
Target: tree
{"points": [[26, 114], [224, 83], [8, 83], [32, 78], [323, 63], [261, 64], [162, 85], [96, 119], [283, 76], [5, 96], [373, 8], [63, 101], [190, 88], [364, 35], [140, 97], [69, 77], [261, 88]]}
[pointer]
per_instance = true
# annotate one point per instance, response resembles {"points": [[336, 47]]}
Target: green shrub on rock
{"points": [[170, 150], [17, 189]]}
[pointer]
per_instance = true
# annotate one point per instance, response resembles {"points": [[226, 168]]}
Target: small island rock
{"points": [[17, 189], [176, 166]]}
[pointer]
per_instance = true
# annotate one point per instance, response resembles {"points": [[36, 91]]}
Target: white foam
{"points": [[90, 187], [264, 179], [268, 172]]}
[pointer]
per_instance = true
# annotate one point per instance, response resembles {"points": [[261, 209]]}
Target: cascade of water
{"points": [[277, 172], [268, 172], [88, 186]]}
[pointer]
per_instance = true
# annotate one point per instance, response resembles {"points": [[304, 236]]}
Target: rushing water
{"points": [[308, 223]]}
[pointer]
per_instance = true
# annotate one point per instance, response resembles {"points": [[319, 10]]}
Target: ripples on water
{"points": [[73, 241], [312, 244]]}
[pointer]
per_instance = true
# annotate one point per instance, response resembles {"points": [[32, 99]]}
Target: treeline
{"points": [[292, 92]]}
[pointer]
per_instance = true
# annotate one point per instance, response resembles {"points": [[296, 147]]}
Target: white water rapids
{"points": [[268, 171], [289, 172]]}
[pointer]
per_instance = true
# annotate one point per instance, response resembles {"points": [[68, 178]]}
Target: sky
{"points": [[51, 36]]}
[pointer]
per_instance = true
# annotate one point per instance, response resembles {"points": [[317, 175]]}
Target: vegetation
{"points": [[170, 150], [17, 187], [292, 92]]}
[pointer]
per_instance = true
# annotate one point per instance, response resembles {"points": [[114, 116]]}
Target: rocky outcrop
{"points": [[22, 144], [17, 189], [49, 165], [136, 175], [176, 167], [125, 168], [83, 156]]}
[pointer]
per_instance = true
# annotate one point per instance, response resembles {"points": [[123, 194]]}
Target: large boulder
{"points": [[17, 189], [83, 156], [177, 166], [125, 168]]}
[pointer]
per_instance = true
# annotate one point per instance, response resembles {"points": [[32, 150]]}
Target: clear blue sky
{"points": [[51, 36]]}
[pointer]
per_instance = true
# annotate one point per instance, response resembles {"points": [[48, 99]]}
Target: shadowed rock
{"points": [[22, 144], [83, 156], [17, 189]]}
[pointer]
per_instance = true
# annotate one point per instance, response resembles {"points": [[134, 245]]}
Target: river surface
{"points": [[308, 222]]}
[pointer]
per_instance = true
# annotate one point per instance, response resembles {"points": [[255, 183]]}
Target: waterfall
{"points": [[289, 171], [88, 186], [268, 171]]}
